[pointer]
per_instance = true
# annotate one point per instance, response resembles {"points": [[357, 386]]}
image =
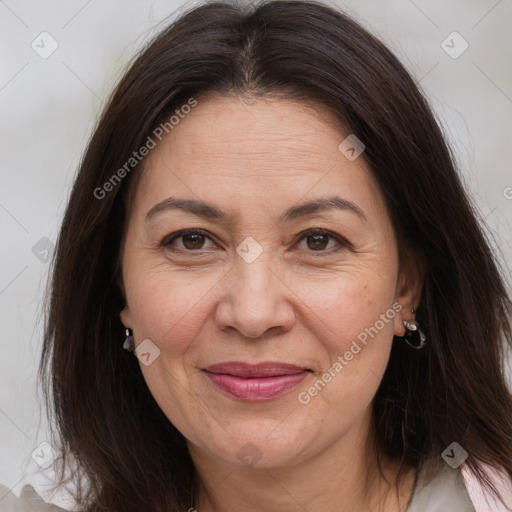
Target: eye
{"points": [[317, 240], [192, 239]]}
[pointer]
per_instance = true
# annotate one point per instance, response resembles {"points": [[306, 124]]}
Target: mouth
{"points": [[256, 382]]}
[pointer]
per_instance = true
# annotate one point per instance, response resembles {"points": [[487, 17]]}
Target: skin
{"points": [[203, 304]]}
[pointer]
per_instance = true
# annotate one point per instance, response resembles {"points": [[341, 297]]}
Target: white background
{"points": [[49, 108]]}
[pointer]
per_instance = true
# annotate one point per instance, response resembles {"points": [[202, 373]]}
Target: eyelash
{"points": [[167, 241]]}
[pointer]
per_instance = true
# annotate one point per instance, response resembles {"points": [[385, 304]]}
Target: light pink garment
{"points": [[482, 500]]}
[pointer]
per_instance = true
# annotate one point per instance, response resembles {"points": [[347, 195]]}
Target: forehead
{"points": [[265, 129], [266, 148]]}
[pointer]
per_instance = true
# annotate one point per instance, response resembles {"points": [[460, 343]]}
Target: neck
{"points": [[343, 477]]}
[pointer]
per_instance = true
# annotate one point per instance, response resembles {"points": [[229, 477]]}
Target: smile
{"points": [[260, 382]]}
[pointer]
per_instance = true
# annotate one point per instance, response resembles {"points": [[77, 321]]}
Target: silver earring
{"points": [[129, 344], [414, 336]]}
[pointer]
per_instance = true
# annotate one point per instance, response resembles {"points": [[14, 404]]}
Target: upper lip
{"points": [[247, 370]]}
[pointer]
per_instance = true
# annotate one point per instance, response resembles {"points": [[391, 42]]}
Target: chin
{"points": [[258, 451]]}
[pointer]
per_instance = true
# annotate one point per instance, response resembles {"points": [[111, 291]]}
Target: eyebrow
{"points": [[210, 212]]}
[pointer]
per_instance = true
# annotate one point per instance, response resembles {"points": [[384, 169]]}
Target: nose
{"points": [[256, 302]]}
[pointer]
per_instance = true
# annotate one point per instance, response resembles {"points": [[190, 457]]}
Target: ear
{"points": [[409, 288], [125, 314], [126, 317]]}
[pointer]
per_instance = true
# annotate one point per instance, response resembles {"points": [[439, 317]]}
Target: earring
{"points": [[414, 336], [129, 344]]}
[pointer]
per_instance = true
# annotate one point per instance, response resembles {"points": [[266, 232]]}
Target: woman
{"points": [[269, 212]]}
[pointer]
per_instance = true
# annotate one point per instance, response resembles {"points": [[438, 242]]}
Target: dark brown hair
{"points": [[108, 424]]}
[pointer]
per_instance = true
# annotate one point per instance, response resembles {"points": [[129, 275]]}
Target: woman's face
{"points": [[255, 287]]}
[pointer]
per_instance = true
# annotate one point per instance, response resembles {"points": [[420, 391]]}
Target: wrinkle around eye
{"points": [[169, 239], [342, 243]]}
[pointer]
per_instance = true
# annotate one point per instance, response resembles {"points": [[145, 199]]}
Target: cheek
{"points": [[344, 308], [353, 319], [170, 308]]}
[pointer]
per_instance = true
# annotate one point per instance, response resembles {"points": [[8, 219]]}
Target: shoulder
{"points": [[481, 497], [439, 489], [28, 501]]}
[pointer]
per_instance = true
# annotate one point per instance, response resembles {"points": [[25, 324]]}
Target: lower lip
{"points": [[256, 389]]}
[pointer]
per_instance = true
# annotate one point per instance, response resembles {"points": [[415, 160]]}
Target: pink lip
{"points": [[258, 382]]}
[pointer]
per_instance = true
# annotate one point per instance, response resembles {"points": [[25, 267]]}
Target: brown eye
{"points": [[191, 240], [317, 240]]}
